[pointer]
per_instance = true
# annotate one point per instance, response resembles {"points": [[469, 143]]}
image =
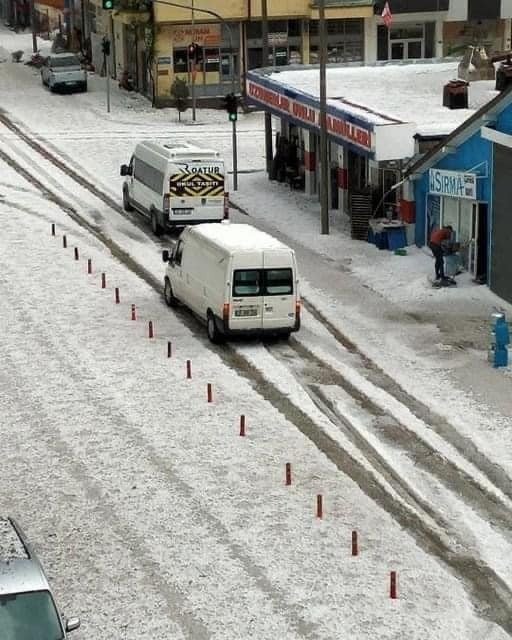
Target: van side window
{"points": [[278, 282], [179, 253], [246, 282], [130, 166], [148, 176]]}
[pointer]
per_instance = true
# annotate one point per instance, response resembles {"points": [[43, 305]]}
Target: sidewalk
{"points": [[432, 341]]}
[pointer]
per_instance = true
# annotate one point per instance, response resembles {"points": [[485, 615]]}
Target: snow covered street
{"points": [[152, 515]]}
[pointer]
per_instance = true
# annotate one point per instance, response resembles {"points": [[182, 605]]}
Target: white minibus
{"points": [[235, 278], [175, 184]]}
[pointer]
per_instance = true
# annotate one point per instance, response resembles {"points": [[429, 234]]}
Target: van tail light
{"points": [[167, 203], [225, 314], [297, 310], [226, 206]]}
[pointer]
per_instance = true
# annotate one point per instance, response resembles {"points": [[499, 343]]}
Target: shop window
{"points": [[211, 60], [254, 31], [406, 32], [488, 10], [294, 28], [180, 61]]}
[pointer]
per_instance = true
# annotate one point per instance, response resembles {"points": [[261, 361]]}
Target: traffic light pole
{"points": [[193, 65]]}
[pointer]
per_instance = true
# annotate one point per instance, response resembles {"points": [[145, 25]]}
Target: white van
{"points": [[175, 184], [236, 278]]}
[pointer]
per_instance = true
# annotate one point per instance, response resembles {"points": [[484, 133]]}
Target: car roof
{"points": [[20, 570]]}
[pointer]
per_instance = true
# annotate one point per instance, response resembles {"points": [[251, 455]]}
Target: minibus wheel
{"points": [[155, 227]]}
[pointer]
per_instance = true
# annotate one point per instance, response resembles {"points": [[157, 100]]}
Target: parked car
{"points": [[63, 71], [27, 605], [235, 278]]}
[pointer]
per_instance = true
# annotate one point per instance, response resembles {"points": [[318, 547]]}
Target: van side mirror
{"points": [[165, 255], [126, 170], [72, 624]]}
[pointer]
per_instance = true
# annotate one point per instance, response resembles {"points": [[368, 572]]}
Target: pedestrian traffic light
{"points": [[108, 5], [231, 106]]}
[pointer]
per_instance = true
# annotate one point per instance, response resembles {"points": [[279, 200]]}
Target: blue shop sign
{"points": [[452, 183]]}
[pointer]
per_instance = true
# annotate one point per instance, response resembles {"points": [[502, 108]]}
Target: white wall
{"points": [[458, 10]]}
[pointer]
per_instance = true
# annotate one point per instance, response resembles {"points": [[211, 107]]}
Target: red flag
{"points": [[386, 15]]}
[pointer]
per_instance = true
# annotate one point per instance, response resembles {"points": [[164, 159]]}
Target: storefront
{"points": [[455, 199], [465, 182], [365, 150]]}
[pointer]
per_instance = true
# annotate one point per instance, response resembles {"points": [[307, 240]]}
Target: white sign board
{"points": [[452, 184]]}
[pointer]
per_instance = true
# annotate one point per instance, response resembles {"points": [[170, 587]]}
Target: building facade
{"points": [[151, 38], [465, 182]]}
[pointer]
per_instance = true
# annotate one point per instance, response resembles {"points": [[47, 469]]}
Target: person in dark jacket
{"points": [[437, 238]]}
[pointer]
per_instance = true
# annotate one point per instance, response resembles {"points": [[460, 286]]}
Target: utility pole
{"points": [[193, 66], [33, 25], [268, 117], [324, 173]]}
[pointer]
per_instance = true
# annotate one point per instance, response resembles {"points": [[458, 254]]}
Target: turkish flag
{"points": [[386, 15]]}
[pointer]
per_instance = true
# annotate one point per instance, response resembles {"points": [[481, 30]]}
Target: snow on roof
{"points": [[238, 237], [11, 546], [405, 92]]}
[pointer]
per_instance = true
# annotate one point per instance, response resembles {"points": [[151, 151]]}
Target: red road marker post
{"points": [[77, 257], [209, 392], [392, 585], [53, 228], [319, 507], [242, 425], [89, 266], [133, 312], [169, 349], [64, 242], [288, 474], [103, 281], [117, 295], [355, 548], [150, 330], [189, 369]]}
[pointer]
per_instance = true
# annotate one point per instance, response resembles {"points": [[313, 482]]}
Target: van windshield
{"points": [[30, 615], [262, 282]]}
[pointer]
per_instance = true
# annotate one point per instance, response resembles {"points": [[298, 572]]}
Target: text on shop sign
{"points": [[452, 184], [309, 115]]}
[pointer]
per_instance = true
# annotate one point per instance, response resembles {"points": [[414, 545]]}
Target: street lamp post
{"points": [[324, 174], [233, 80], [264, 63]]}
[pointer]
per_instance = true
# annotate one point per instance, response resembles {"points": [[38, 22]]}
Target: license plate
{"points": [[244, 313], [182, 212]]}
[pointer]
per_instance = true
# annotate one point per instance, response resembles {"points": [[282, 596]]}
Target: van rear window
{"points": [[246, 282], [278, 282], [262, 282]]}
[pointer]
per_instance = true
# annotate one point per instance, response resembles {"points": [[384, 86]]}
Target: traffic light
{"points": [[108, 5], [193, 52], [231, 106], [105, 45]]}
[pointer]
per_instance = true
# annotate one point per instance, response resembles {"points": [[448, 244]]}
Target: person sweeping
{"points": [[438, 237]]}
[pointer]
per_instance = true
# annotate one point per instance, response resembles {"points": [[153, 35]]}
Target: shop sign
{"points": [[310, 116], [277, 39], [205, 35], [453, 184]]}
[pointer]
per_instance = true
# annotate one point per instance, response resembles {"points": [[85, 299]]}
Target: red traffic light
{"points": [[193, 50]]}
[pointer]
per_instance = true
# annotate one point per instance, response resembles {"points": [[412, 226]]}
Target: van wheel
{"points": [[170, 300], [214, 335], [126, 201], [155, 227]]}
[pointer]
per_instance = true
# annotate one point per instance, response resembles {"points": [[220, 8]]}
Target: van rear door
{"points": [[279, 290], [246, 311]]}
